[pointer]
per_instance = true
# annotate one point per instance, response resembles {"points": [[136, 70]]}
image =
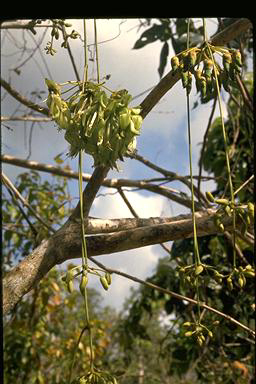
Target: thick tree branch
{"points": [[96, 225], [90, 191], [65, 244]]}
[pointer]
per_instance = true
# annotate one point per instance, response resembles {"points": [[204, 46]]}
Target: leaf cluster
{"points": [[168, 31], [21, 230], [240, 136], [40, 335]]}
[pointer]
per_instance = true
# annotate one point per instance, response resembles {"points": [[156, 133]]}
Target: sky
{"points": [[163, 138]]}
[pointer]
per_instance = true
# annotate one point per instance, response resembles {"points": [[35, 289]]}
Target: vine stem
{"points": [[232, 195], [85, 260], [97, 53], [196, 250], [84, 248], [174, 294]]}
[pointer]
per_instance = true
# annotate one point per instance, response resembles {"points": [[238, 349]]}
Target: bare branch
{"points": [[170, 175], [43, 167], [22, 99], [19, 24], [90, 191], [27, 118], [170, 193], [174, 294], [127, 202], [231, 32]]}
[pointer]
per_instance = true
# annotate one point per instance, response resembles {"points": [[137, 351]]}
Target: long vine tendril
{"points": [[196, 250], [225, 143]]}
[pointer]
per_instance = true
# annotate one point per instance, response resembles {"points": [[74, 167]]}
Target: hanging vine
{"points": [[105, 127], [100, 122], [209, 77]]}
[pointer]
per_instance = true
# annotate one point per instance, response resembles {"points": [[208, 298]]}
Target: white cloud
{"points": [[139, 262], [113, 206]]}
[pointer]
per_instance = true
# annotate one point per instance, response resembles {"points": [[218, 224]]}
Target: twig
{"points": [[113, 183], [9, 185], [174, 294], [21, 25], [237, 248], [27, 118], [122, 194], [134, 213], [22, 99], [244, 184], [245, 93], [70, 53], [169, 174]]}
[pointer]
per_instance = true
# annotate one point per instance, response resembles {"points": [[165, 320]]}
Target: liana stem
{"points": [[84, 248], [196, 250], [226, 153]]}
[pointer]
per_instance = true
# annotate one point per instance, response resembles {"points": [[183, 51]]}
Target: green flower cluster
{"points": [[101, 125], [205, 77]]}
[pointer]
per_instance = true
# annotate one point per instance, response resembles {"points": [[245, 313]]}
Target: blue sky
{"points": [[163, 138]]}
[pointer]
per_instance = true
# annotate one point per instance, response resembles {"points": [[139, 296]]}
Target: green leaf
{"points": [[8, 235], [163, 58], [149, 36], [58, 159]]}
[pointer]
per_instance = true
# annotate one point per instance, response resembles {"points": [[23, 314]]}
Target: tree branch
{"points": [[112, 183], [173, 294], [22, 99], [18, 196], [90, 192], [16, 24], [170, 175], [27, 118], [169, 80], [65, 244]]}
